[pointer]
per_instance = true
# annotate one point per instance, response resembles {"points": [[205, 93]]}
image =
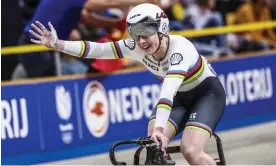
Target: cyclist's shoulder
{"points": [[178, 38], [127, 43], [180, 42], [128, 48]]}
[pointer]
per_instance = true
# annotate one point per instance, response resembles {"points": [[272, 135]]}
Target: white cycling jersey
{"points": [[181, 70]]}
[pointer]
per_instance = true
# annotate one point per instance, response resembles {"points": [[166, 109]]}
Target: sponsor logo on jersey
{"points": [[151, 61], [64, 110], [166, 68], [165, 63], [193, 116], [151, 64], [176, 58], [129, 43]]}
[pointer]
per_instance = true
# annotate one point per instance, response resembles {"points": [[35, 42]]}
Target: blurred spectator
{"points": [[250, 12], [27, 8], [106, 65], [201, 15], [71, 65], [226, 6], [112, 34], [187, 3], [273, 9], [175, 12], [11, 29], [65, 16], [104, 21], [33, 65]]}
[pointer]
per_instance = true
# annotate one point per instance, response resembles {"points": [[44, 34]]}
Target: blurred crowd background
{"points": [[104, 21]]}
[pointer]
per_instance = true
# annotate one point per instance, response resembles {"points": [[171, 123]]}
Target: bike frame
{"points": [[144, 141]]}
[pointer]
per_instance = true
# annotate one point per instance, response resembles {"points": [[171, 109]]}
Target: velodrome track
{"points": [[254, 145]]}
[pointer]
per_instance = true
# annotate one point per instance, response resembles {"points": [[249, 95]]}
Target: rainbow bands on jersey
{"points": [[116, 50], [195, 72], [176, 74], [85, 48], [165, 104], [152, 119], [199, 126]]}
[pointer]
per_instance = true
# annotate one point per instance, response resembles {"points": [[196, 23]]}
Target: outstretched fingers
{"points": [[36, 41], [51, 27], [41, 26], [35, 34], [37, 29]]}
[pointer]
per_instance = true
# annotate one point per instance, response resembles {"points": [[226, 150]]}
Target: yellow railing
{"points": [[187, 33], [227, 29]]}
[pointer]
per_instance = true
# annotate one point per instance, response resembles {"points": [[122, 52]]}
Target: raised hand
{"points": [[44, 36]]}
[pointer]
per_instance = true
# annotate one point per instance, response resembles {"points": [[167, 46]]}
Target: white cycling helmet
{"points": [[147, 19]]}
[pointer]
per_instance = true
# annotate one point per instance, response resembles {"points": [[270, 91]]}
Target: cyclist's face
{"points": [[148, 44]]}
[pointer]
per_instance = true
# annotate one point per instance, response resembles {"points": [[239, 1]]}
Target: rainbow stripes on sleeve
{"points": [[116, 50], [85, 48], [176, 74], [165, 104], [194, 72]]}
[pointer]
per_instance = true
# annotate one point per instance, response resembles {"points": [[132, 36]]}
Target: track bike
{"points": [[157, 156]]}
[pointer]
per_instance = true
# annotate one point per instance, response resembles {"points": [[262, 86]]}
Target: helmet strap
{"points": [[160, 35]]}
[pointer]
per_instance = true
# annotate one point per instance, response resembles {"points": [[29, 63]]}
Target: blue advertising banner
{"points": [[62, 119], [21, 118], [249, 88]]}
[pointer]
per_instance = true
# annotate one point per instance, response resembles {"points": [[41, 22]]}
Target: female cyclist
{"points": [[191, 98]]}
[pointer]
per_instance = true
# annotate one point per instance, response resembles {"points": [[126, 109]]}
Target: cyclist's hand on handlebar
{"points": [[157, 136], [44, 36]]}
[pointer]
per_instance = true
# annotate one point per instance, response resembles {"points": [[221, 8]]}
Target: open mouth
{"points": [[146, 47]]}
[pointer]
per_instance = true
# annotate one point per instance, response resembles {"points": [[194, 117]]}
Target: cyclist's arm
{"points": [[86, 49], [98, 21], [104, 4], [172, 81]]}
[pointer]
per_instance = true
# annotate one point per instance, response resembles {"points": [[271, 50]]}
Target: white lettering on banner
{"points": [[249, 85], [269, 88], [232, 88], [137, 106], [147, 101], [155, 92], [11, 121], [125, 92], [115, 106], [239, 76], [139, 100]]}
